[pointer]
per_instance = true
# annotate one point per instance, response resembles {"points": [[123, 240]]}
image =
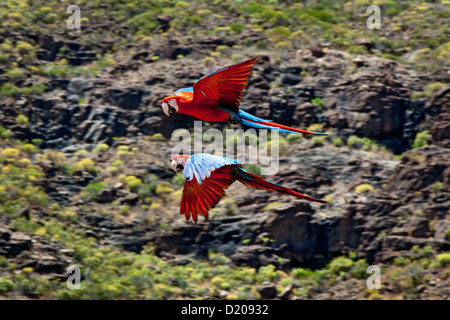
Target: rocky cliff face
{"points": [[407, 203]]}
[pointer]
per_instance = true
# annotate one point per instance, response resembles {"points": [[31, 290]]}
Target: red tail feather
{"points": [[276, 125], [257, 182]]}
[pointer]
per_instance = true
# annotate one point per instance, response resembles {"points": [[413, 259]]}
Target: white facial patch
{"points": [[173, 104]]}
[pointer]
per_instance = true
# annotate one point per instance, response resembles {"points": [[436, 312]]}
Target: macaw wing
{"points": [[201, 165], [224, 87], [198, 199]]}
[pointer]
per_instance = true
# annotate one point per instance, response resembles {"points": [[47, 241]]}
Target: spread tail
{"points": [[256, 122], [258, 182]]}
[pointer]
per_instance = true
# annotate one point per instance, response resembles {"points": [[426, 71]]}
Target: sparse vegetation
{"points": [[364, 143], [443, 259], [52, 195], [421, 139], [337, 142], [364, 188]]}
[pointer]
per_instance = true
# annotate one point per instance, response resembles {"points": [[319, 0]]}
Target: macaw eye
{"points": [[172, 100]]}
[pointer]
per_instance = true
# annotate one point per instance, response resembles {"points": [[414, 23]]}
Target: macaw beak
{"points": [[169, 108], [174, 165], [165, 108]]}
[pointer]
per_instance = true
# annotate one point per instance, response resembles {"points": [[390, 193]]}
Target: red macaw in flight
{"points": [[207, 177], [216, 98]]}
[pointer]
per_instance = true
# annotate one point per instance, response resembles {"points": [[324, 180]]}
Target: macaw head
{"points": [[178, 162], [170, 105]]}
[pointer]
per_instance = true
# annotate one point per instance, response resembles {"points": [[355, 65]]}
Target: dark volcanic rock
{"points": [[130, 243], [49, 47], [13, 243], [106, 195], [267, 290], [438, 112], [131, 199], [44, 263], [126, 98], [376, 110], [255, 256]]}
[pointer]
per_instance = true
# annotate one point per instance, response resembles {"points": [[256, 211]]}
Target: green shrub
{"points": [[432, 88], [164, 187], [300, 273], [340, 265], [208, 61], [134, 183], [94, 188], [217, 258], [157, 137], [338, 142], [124, 155], [24, 48], [29, 148], [352, 141], [67, 215], [7, 46], [443, 259], [364, 143], [318, 102], [267, 273], [237, 27], [272, 205], [293, 138], [87, 165], [9, 154], [124, 210], [6, 285], [318, 140], [437, 186], [316, 127], [364, 188], [5, 133], [425, 252], [421, 139], [100, 148], [21, 120], [81, 154], [359, 269], [56, 157], [117, 163], [14, 74], [37, 89], [178, 179], [402, 261], [9, 90], [4, 58]]}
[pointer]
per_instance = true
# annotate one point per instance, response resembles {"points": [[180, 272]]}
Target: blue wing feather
{"points": [[201, 165], [249, 116]]}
